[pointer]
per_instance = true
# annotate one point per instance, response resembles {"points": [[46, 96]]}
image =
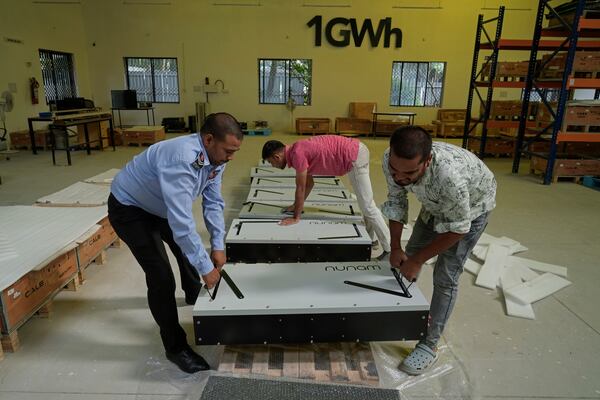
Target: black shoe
{"points": [[188, 361]]}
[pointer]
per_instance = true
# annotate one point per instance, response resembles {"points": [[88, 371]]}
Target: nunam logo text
{"points": [[347, 268]]}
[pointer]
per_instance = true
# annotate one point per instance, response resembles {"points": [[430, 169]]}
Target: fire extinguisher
{"points": [[34, 87]]}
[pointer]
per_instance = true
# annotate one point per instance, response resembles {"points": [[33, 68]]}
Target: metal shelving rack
{"points": [[570, 33], [495, 45], [475, 84]]}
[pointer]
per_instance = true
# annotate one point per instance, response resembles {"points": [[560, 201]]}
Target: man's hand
{"points": [[410, 269], [218, 258], [397, 257], [289, 221], [211, 278]]}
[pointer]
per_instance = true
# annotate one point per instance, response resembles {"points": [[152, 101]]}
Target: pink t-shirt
{"points": [[323, 155]]}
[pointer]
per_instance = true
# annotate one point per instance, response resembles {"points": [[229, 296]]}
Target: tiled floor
{"points": [[101, 342]]}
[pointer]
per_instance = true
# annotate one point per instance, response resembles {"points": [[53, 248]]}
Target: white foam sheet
{"points": [[288, 194], [7, 250], [305, 231], [298, 288], [511, 244], [472, 266], [537, 265], [104, 178], [272, 171], [263, 163], [509, 279], [36, 234], [349, 212], [536, 289], [288, 182], [78, 194], [84, 238], [492, 269], [480, 252]]}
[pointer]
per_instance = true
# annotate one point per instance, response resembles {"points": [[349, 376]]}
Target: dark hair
{"points": [[411, 141], [220, 125], [271, 147]]}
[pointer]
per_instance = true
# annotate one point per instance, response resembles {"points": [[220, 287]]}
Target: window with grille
{"points": [[154, 79], [58, 75], [417, 84], [283, 79], [551, 95]]}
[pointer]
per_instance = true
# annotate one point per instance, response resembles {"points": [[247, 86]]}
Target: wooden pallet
{"points": [[33, 294], [587, 128], [93, 245], [566, 168], [332, 362]]}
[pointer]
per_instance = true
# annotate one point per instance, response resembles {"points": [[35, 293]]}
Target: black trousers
{"points": [[145, 233]]}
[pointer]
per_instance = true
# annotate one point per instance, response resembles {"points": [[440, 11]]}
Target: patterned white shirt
{"points": [[456, 188]]}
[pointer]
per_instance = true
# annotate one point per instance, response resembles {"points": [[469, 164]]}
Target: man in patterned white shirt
{"points": [[457, 192]]}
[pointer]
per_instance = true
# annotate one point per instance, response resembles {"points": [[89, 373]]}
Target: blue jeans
{"points": [[446, 271]]}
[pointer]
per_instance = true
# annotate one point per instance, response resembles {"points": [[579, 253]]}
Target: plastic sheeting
{"points": [[446, 380]]}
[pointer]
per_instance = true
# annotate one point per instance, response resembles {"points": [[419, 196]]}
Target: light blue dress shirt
{"points": [[165, 180]]}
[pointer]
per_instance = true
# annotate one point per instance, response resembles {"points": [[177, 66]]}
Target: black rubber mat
{"points": [[230, 388]]}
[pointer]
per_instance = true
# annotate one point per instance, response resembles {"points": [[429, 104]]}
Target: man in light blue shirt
{"points": [[151, 203]]}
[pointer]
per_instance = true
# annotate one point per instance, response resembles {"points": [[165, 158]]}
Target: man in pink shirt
{"points": [[329, 155]]}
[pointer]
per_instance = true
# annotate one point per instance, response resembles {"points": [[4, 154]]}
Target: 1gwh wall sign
{"points": [[384, 28]]}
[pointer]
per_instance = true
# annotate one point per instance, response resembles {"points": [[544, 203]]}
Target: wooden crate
{"points": [[353, 126], [450, 122], [95, 132], [333, 362], [543, 115], [29, 294], [591, 149], [118, 132], [507, 71], [21, 139], [92, 246], [431, 129], [495, 146], [313, 126], [510, 110], [387, 127], [143, 135], [566, 166], [581, 117], [586, 64], [362, 110]]}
